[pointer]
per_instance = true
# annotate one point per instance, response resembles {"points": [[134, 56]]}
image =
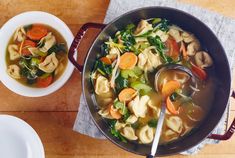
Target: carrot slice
{"points": [[173, 47], [114, 112], [200, 73], [44, 82], [126, 94], [169, 87], [37, 32], [25, 46], [128, 60], [170, 106], [106, 60]]}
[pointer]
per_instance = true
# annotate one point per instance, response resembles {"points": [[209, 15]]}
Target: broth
{"points": [[130, 97], [59, 47]]}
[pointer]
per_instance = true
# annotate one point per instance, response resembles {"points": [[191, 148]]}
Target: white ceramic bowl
{"points": [[6, 33]]}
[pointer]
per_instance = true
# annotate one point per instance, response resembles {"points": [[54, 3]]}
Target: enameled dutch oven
{"points": [[208, 41]]}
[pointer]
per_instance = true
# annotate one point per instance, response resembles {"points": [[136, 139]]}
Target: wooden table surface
{"points": [[53, 116]]}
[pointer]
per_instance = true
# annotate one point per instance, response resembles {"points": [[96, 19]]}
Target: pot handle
{"points": [[229, 132], [78, 39]]}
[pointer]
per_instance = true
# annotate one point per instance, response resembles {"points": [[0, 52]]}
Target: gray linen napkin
{"points": [[222, 26]]}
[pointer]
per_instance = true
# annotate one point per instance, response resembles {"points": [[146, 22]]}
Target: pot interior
{"points": [[208, 41]]}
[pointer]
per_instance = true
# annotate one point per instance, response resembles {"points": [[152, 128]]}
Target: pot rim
{"points": [[203, 137]]}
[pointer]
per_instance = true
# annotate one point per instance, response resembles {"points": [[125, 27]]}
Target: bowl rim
{"points": [[112, 139], [31, 17]]}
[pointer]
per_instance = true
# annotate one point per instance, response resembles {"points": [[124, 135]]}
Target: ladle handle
{"points": [[77, 40], [229, 132], [149, 156]]}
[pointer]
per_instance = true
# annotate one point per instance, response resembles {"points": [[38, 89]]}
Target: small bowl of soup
{"points": [[33, 58]]}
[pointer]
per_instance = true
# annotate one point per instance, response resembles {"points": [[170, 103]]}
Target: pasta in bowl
{"points": [[33, 56], [124, 81], [123, 92]]}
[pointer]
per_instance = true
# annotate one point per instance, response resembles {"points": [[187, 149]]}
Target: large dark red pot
{"points": [[207, 39]]}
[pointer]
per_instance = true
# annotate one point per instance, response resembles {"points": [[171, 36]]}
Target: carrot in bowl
{"points": [[26, 44], [126, 94], [170, 106], [43, 82], [128, 60], [37, 32], [106, 60], [169, 87], [114, 112]]}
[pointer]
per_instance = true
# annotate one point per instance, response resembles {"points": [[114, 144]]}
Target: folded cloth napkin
{"points": [[222, 26]]}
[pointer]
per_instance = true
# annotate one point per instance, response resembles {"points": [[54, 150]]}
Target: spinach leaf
{"points": [[153, 123], [128, 39], [120, 83], [163, 24], [156, 41], [126, 115], [103, 68], [104, 49], [135, 125], [59, 47], [115, 132], [156, 21]]}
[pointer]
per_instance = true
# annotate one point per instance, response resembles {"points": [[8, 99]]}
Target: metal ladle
{"points": [[163, 107]]}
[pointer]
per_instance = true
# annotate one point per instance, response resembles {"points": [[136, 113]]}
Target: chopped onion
{"points": [[194, 88], [112, 80]]}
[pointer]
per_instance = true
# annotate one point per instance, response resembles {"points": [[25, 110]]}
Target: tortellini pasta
{"points": [[129, 133], [49, 40], [175, 34], [13, 50], [49, 64], [139, 106], [142, 28], [170, 135], [148, 61], [163, 35], [19, 35], [131, 119], [14, 71], [146, 134], [119, 125], [193, 47], [203, 59], [105, 113], [101, 85], [175, 123]]}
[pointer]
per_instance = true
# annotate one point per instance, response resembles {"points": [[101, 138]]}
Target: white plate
{"points": [[18, 139]]}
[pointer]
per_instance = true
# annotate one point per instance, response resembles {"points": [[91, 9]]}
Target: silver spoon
{"points": [[163, 107]]}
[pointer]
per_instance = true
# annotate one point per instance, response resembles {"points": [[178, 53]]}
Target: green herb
{"points": [[135, 125], [153, 123], [103, 68], [156, 20], [128, 39], [120, 83], [162, 25], [173, 96], [115, 132], [141, 87], [145, 34], [34, 61], [60, 47], [156, 41], [121, 106], [130, 27], [126, 115], [105, 49]]}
